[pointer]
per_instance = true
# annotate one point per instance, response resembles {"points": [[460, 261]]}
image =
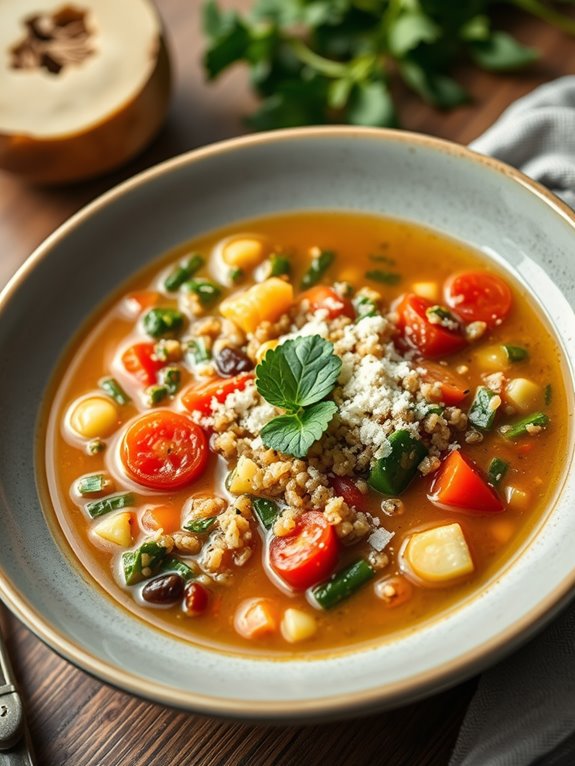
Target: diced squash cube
{"points": [[297, 625], [517, 499], [243, 476], [428, 290], [116, 529], [439, 555], [523, 394], [256, 617], [492, 358], [266, 301], [244, 252]]}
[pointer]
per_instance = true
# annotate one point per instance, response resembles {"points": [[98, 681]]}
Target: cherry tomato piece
{"points": [[347, 489], [478, 296], [140, 362], [460, 486], [308, 555], [199, 397], [419, 332], [166, 517], [256, 617], [453, 388], [323, 297], [196, 599], [164, 450]]}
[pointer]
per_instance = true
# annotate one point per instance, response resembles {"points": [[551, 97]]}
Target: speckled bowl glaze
{"points": [[440, 185]]}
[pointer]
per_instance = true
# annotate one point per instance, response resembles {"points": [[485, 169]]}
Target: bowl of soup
{"points": [[298, 409]]}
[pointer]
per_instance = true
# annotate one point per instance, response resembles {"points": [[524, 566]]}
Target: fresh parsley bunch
{"points": [[296, 377], [317, 61]]}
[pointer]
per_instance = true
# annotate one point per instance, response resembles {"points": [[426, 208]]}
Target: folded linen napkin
{"points": [[523, 711]]}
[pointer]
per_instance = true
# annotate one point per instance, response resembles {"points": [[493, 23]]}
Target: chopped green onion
{"points": [[236, 275], [95, 446], [435, 409], [171, 564], [278, 265], [481, 414], [163, 321], [266, 511], [182, 272], [385, 277], [170, 378], [343, 584], [548, 394], [496, 471], [521, 428], [365, 307], [319, 265], [111, 387], [197, 351], [391, 474], [206, 291], [155, 395], [107, 504], [515, 353], [200, 526], [144, 562], [441, 316], [91, 485]]}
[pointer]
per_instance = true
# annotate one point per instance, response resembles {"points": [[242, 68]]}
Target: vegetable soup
{"points": [[307, 433]]}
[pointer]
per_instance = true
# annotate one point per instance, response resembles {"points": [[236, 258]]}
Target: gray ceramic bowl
{"points": [[444, 186]]}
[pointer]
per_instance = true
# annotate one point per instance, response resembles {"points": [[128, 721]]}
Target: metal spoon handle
{"points": [[15, 749]]}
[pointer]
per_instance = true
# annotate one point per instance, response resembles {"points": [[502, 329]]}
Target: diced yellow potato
{"points": [[116, 529], [523, 394], [440, 554], [94, 416], [517, 499], [492, 358], [245, 252], [266, 301], [429, 290], [297, 625], [243, 476], [264, 348]]}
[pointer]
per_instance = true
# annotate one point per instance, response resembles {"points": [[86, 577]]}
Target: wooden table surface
{"points": [[76, 720]]}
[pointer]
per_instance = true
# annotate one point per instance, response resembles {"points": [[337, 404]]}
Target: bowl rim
{"points": [[378, 697]]}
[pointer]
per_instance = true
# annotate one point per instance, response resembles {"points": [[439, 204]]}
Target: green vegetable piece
{"points": [[364, 307], [435, 409], [170, 378], [502, 53], [516, 353], [161, 322], [294, 433], [201, 526], [114, 390], [548, 394], [197, 352], [392, 474], [343, 584], [266, 510], [156, 394], [206, 291], [496, 471], [144, 562], [481, 414], [182, 272], [171, 564], [107, 504], [279, 265], [91, 485], [95, 446], [236, 275], [520, 428], [384, 277], [319, 265]]}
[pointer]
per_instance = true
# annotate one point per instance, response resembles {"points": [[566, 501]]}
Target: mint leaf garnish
{"points": [[294, 434]]}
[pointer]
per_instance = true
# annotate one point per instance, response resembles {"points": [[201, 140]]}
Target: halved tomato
{"points": [[419, 332], [323, 297], [347, 488], [164, 450], [478, 296], [308, 555], [453, 388], [140, 362], [198, 398], [460, 486]]}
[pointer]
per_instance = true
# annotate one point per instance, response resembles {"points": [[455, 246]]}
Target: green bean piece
{"points": [[481, 414], [392, 474], [496, 471], [515, 353], [161, 322], [91, 485], [155, 395], [343, 584], [206, 291], [200, 526], [236, 275], [364, 307], [266, 510], [384, 277], [197, 352], [144, 562], [548, 394], [279, 265], [319, 265], [520, 428], [114, 390], [107, 504], [171, 564], [182, 272], [170, 378]]}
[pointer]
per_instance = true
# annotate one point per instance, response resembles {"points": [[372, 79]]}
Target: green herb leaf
{"points": [[410, 30], [370, 104], [501, 53], [295, 433], [385, 277], [437, 89], [200, 526], [298, 373]]}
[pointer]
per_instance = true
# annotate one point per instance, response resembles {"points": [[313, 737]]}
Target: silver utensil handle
{"points": [[15, 749]]}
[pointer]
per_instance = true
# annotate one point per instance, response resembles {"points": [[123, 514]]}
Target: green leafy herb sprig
{"points": [[296, 377], [317, 61]]}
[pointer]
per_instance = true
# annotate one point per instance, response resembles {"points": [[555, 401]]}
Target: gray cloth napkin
{"points": [[523, 711]]}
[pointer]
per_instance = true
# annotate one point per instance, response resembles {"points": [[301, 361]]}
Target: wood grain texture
{"points": [[77, 721]]}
